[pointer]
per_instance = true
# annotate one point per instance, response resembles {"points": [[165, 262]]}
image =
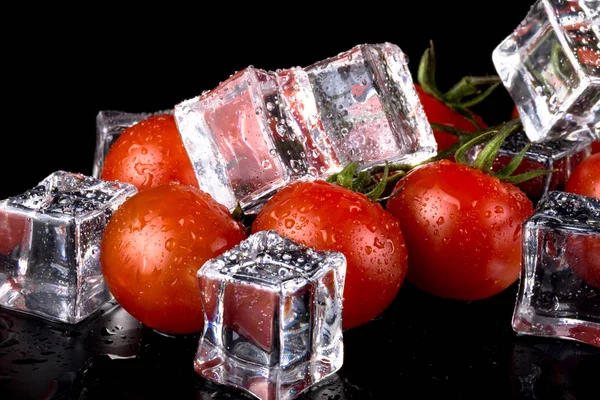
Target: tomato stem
{"points": [[465, 94]]}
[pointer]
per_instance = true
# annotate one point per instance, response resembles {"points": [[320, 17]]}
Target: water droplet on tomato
{"points": [[499, 210], [368, 249], [170, 244], [488, 214], [289, 223], [440, 221]]}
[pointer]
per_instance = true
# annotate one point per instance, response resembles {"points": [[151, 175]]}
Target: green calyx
{"points": [[468, 92], [493, 137], [372, 183]]}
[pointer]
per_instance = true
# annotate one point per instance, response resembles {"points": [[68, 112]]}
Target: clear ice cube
{"points": [[49, 246], [550, 65], [109, 126], [559, 291], [559, 155], [259, 130], [241, 146], [369, 107], [273, 316]]}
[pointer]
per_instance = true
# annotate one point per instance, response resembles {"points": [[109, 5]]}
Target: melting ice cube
{"points": [[49, 246], [559, 294], [550, 65], [273, 316]]}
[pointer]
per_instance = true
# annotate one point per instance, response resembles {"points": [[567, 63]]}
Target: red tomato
{"points": [[326, 216], [462, 229], [596, 147], [585, 178], [149, 153], [439, 113], [152, 248]]}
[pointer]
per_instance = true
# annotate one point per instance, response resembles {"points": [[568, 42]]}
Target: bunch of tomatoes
{"points": [[450, 229]]}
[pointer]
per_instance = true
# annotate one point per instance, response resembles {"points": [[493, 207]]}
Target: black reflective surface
{"points": [[420, 345], [68, 68]]}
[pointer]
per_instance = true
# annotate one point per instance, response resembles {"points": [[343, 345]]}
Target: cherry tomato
{"points": [[149, 153], [462, 229], [585, 178], [152, 248], [326, 216], [439, 113]]}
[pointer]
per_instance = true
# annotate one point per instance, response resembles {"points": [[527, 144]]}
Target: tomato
{"points": [[149, 153], [439, 113], [585, 178], [152, 248], [326, 216], [462, 229], [596, 146]]}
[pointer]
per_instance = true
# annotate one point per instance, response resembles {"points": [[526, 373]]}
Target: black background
{"points": [[63, 66]]}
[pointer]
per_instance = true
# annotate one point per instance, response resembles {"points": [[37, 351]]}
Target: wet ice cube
{"points": [[109, 126], [369, 107], [550, 65], [49, 246], [559, 155], [240, 144], [273, 311], [559, 294]]}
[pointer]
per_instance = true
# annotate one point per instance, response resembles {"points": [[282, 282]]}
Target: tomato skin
{"points": [[596, 146], [585, 178], [148, 154], [326, 216], [462, 229], [152, 248], [439, 113]]}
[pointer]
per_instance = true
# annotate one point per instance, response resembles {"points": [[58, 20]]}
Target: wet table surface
{"points": [[421, 345]]}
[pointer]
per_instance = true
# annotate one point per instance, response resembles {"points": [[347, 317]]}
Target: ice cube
{"points": [[259, 130], [241, 146], [559, 293], [550, 65], [273, 316], [109, 126], [369, 107], [49, 246], [559, 155]]}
